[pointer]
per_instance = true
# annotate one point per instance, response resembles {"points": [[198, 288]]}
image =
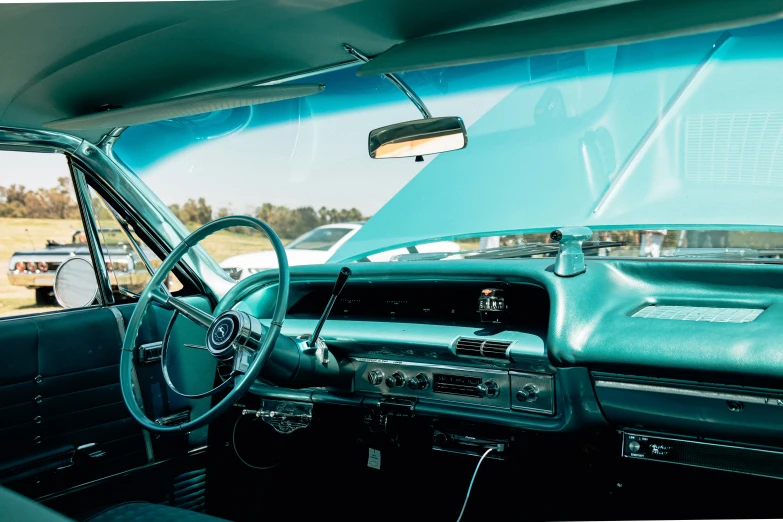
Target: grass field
{"points": [[225, 244], [31, 234], [27, 234]]}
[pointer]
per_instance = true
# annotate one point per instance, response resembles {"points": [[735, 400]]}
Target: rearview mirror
{"points": [[418, 138], [74, 283]]}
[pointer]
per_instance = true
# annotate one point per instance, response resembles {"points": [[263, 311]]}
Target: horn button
{"points": [[232, 331]]}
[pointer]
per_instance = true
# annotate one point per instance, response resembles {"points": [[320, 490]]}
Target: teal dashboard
{"points": [[659, 350]]}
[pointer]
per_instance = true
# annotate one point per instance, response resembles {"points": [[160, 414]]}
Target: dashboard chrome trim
{"points": [[501, 399], [428, 365], [703, 394], [538, 391], [496, 389]]}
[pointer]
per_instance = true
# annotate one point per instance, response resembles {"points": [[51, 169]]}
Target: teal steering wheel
{"points": [[223, 332]]}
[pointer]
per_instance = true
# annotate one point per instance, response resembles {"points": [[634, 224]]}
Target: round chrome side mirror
{"points": [[74, 283]]}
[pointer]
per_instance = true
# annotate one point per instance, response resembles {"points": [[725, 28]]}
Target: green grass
{"points": [[225, 244], [468, 244], [29, 234]]}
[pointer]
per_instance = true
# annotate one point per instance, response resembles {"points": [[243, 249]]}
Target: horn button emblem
{"points": [[221, 336], [222, 332], [232, 332]]}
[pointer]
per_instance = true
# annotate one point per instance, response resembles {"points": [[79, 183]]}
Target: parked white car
{"points": [[315, 248]]}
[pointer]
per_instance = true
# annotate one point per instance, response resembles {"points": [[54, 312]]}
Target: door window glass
{"points": [[40, 228], [125, 254]]}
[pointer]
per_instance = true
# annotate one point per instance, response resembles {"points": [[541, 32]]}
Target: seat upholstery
{"points": [[18, 508], [144, 511]]}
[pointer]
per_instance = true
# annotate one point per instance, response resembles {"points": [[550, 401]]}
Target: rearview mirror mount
{"points": [[418, 138]]}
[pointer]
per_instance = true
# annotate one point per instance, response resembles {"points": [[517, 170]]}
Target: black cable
{"points": [[236, 451]]}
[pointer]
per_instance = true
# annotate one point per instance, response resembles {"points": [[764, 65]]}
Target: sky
{"points": [[321, 161], [300, 161], [34, 170]]}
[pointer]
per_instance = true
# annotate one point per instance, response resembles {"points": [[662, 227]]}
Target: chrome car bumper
{"points": [[31, 280], [42, 279]]}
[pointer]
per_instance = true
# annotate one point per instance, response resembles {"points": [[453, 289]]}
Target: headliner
{"points": [[67, 59]]}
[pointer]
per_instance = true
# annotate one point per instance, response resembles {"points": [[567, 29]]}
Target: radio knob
{"points": [[375, 377], [488, 389], [420, 382], [440, 438], [528, 393], [492, 389], [395, 380]]}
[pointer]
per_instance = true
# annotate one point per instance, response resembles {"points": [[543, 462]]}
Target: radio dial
{"points": [[395, 380], [420, 382], [375, 377], [488, 389], [528, 393], [492, 389]]}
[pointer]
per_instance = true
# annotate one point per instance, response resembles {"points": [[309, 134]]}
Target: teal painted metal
{"points": [[591, 328], [725, 412], [570, 260], [591, 323]]}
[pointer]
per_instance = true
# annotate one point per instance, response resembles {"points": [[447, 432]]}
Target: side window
{"points": [[125, 253], [40, 227]]}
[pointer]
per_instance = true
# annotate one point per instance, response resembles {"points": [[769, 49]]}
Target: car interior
{"points": [[563, 387]]}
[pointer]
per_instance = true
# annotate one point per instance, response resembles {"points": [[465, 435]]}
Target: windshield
{"points": [[318, 239], [666, 146]]}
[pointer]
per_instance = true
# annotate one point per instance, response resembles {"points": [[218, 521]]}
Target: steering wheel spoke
{"points": [[196, 315]]}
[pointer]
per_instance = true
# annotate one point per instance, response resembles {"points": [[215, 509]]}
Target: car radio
{"points": [[480, 386], [465, 385], [703, 454], [485, 387]]}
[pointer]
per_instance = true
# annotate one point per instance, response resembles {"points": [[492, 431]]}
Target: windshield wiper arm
{"points": [[533, 249], [530, 249], [724, 253]]}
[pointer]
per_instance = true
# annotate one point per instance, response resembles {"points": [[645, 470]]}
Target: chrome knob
{"points": [[420, 382], [528, 393], [375, 377], [488, 389], [492, 389], [395, 380]]}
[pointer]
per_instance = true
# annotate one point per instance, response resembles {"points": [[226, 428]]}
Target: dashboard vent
{"points": [[479, 348], [700, 313]]}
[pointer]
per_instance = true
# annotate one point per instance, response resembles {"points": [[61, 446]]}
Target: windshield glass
{"points": [[666, 146], [318, 239]]}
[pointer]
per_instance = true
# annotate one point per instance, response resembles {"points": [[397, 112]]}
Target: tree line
{"points": [[287, 222], [59, 202]]}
